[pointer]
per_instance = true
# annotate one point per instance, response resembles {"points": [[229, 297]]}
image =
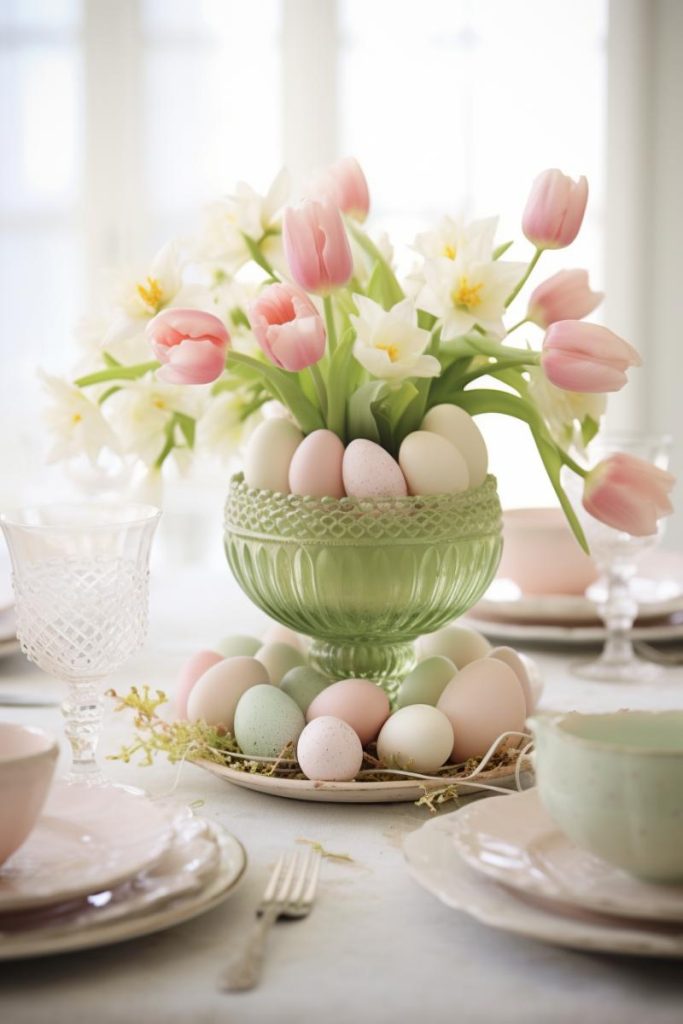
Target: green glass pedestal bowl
{"points": [[363, 578]]}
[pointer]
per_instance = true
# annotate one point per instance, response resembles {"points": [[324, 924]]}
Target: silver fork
{"points": [[289, 893]]}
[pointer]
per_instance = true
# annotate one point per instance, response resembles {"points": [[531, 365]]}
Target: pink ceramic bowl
{"points": [[541, 554], [27, 763]]}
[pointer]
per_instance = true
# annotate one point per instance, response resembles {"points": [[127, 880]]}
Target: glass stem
{"points": [[82, 712], [618, 613]]}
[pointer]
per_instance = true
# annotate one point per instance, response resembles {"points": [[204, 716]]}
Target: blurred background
{"points": [[121, 118]]}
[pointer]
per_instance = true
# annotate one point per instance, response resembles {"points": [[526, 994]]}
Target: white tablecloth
{"points": [[377, 948]]}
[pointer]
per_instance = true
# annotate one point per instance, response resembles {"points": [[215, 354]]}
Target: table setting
{"points": [[405, 750]]}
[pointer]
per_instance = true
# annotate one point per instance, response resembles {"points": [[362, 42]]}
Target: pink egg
{"points": [[276, 633], [329, 750], [484, 700], [316, 466], [193, 668], [358, 702], [514, 660], [370, 472]]}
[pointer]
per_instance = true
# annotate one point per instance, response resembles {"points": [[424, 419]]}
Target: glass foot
{"points": [[604, 670], [384, 664]]}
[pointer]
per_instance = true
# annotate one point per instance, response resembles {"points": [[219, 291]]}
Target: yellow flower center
{"points": [[76, 418], [159, 403], [466, 295], [151, 293], [449, 252], [392, 351]]}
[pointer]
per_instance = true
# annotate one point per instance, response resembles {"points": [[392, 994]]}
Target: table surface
{"points": [[377, 947]]}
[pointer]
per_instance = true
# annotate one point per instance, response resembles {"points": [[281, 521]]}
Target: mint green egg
{"points": [[303, 684], [427, 681], [266, 720], [238, 646]]}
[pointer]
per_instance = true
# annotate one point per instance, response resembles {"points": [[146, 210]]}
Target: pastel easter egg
{"points": [[266, 720], [360, 703], [432, 465], [268, 454], [525, 670], [483, 701], [418, 738], [369, 471], [237, 645], [303, 684], [458, 643], [215, 695], [316, 466], [458, 427], [279, 659], [329, 750], [192, 670], [276, 633], [427, 681]]}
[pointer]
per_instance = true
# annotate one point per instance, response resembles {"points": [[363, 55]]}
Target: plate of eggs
{"points": [[458, 718]]}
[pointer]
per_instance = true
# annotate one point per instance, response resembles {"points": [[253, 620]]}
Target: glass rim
{"points": [[142, 514]]}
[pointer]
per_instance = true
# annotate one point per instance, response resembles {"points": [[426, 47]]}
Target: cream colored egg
{"points": [[483, 701], [234, 646], [216, 693], [268, 455], [459, 643], [370, 472], [329, 750], [266, 720], [276, 633], [279, 659], [427, 681], [193, 669], [358, 702], [431, 464], [316, 466], [514, 660], [458, 427], [418, 738]]}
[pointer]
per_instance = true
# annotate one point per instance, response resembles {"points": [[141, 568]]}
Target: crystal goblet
{"points": [[80, 577]]}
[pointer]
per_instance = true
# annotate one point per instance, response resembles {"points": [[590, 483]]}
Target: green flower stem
{"points": [[116, 373], [524, 278], [329, 323], [320, 388], [283, 386], [571, 464], [520, 323], [494, 369]]}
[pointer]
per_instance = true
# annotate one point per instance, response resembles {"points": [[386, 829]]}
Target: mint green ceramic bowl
{"points": [[363, 578], [614, 784]]}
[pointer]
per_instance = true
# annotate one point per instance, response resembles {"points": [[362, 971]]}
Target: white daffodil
{"points": [[221, 430], [464, 294], [389, 344], [452, 238], [564, 411], [142, 410], [245, 212], [75, 424]]}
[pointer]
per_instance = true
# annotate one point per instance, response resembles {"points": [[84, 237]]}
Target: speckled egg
{"points": [[427, 681], [303, 684], [484, 700], [276, 633], [432, 465], [526, 672], [329, 750], [266, 720], [360, 703], [192, 670], [459, 643], [418, 738], [370, 472], [316, 466], [268, 454], [234, 646], [216, 693], [279, 659], [458, 427]]}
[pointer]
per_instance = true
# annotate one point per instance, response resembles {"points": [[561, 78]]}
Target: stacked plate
{"points": [[504, 862], [99, 869], [8, 631]]}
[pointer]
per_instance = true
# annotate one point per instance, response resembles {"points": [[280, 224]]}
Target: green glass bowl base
{"points": [[383, 663]]}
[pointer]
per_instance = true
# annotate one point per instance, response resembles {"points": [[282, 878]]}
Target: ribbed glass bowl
{"points": [[363, 578]]}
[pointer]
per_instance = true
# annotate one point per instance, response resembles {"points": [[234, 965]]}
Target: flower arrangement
{"points": [[295, 309]]}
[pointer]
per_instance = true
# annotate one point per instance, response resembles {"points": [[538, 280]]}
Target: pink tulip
{"points": [[345, 185], [190, 343], [628, 494], [316, 246], [554, 210], [585, 357], [564, 296], [287, 326]]}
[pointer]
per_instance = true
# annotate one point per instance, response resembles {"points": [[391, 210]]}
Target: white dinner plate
{"points": [[86, 840], [400, 791], [515, 841], [220, 883], [512, 633], [436, 865]]}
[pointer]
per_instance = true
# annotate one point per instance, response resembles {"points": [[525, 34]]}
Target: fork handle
{"points": [[244, 971]]}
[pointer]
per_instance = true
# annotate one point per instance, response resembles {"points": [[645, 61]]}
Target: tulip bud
{"points": [[191, 345], [628, 493], [564, 296], [345, 185], [288, 327], [316, 247], [554, 210], [586, 357]]}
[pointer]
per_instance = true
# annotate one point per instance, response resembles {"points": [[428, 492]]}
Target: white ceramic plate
{"points": [[567, 636], [86, 840], [515, 841], [436, 865], [400, 791], [219, 885]]}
